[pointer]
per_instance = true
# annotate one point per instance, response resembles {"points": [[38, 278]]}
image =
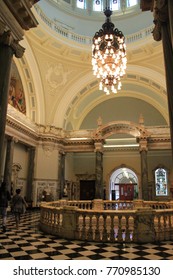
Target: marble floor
{"points": [[29, 243]]}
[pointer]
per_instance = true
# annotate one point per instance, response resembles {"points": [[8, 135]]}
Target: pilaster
{"points": [[99, 170], [9, 161], [61, 173], [30, 176], [144, 167]]}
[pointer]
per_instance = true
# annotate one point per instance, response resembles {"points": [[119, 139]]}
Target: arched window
{"points": [[131, 3], [81, 4], [97, 5], [161, 182], [115, 5]]}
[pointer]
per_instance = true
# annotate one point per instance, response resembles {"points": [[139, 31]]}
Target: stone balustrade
{"points": [[94, 221], [86, 40], [112, 204]]}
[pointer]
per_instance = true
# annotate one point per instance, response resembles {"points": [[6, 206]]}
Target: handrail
{"points": [[112, 204], [140, 224]]}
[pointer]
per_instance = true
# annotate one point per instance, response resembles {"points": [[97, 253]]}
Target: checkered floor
{"points": [[29, 243]]}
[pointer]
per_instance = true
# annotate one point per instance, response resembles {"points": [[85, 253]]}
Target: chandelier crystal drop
{"points": [[109, 55]]}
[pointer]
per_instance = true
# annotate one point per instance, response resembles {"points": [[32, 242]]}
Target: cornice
{"points": [[21, 10], [122, 149], [31, 134], [20, 129], [17, 17]]}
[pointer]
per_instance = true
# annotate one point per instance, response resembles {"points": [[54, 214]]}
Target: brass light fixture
{"points": [[109, 55]]}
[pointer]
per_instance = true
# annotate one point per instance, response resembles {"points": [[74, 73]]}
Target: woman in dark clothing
{"points": [[5, 197], [19, 206]]}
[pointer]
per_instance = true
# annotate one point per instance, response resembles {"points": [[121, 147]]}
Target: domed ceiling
{"points": [[64, 91]]}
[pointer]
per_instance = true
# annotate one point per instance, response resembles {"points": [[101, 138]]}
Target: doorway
{"points": [[123, 185], [87, 189]]}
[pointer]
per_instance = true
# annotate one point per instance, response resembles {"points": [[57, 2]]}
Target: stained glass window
{"points": [[161, 183]]}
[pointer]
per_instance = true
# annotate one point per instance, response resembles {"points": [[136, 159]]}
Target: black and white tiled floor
{"points": [[29, 243]]}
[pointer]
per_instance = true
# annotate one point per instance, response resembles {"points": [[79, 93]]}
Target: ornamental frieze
{"points": [[123, 127], [49, 136]]}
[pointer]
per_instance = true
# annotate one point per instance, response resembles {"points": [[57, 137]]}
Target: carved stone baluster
{"points": [[83, 232], [51, 218], [112, 232], [90, 229], [127, 237], [159, 228], [47, 216], [170, 226], [165, 226], [97, 231], [120, 239], [105, 234], [77, 226], [57, 221]]}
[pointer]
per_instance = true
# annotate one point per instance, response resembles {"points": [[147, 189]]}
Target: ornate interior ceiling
{"points": [[57, 76]]}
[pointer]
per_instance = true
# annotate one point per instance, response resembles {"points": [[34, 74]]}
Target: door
{"points": [[126, 191]]}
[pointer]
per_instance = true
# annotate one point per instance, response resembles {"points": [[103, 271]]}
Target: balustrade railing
{"points": [[85, 40], [80, 220]]}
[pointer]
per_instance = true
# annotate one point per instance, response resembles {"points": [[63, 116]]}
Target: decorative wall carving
{"points": [[48, 149], [19, 126], [56, 76], [45, 191]]}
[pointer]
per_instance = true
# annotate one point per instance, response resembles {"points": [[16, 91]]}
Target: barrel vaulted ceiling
{"points": [[57, 76]]}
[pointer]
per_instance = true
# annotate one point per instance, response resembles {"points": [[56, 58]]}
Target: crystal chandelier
{"points": [[109, 55]]}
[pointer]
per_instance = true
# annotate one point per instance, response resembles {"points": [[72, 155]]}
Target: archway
{"points": [[123, 184]]}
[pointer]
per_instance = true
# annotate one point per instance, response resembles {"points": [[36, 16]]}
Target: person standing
{"points": [[18, 206], [5, 197]]}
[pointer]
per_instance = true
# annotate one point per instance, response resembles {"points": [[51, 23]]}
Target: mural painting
{"points": [[16, 96]]}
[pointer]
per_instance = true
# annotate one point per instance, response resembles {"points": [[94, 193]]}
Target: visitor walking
{"points": [[5, 197], [18, 206]]}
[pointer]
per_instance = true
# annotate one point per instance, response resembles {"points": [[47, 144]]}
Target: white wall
{"points": [[46, 163]]}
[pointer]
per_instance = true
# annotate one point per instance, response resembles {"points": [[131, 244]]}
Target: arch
{"points": [[137, 84], [124, 183], [124, 127], [32, 83]]}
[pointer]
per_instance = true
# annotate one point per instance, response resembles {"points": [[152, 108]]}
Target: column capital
{"points": [[98, 146], [17, 16], [7, 39], [143, 144], [161, 15], [61, 152]]}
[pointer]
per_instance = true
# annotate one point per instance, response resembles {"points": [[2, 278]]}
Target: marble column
{"points": [[8, 48], [30, 175], [99, 171], [9, 162], [144, 168], [61, 174], [163, 30]]}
